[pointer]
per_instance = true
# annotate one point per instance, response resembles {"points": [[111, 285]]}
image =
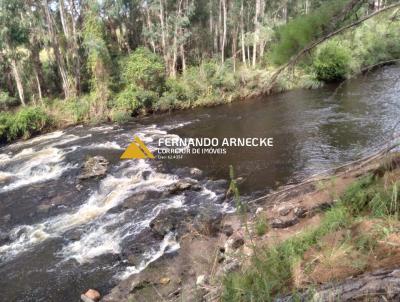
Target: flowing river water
{"points": [[60, 236]]}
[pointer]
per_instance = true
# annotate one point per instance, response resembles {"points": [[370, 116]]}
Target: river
{"points": [[61, 236]]}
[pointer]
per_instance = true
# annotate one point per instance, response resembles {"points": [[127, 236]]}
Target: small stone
{"points": [[300, 212], [259, 210], [92, 295], [248, 251], [78, 187], [234, 242], [165, 280], [284, 211], [196, 172], [281, 224], [227, 230], [201, 280], [231, 265], [181, 185]]}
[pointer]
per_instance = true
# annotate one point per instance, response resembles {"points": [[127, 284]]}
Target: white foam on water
{"points": [[102, 128], [113, 191], [92, 244], [99, 240], [107, 145], [168, 245], [36, 167], [4, 158], [38, 139], [179, 125]]}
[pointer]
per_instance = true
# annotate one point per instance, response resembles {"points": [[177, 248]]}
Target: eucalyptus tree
{"points": [[14, 35]]}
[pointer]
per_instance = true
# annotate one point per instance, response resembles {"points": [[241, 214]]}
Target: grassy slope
{"points": [[358, 234]]}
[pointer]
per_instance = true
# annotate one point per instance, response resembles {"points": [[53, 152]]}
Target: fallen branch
{"points": [[312, 45], [317, 177]]}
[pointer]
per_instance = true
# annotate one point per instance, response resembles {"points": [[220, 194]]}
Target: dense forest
{"points": [[74, 61]]}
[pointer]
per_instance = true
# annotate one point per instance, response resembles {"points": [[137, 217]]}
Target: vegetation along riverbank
{"points": [[72, 62], [333, 237]]}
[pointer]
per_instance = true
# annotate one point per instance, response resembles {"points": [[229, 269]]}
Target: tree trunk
{"points": [[57, 52], [242, 33], [149, 28], [224, 31], [183, 56], [18, 81], [63, 19], [211, 22], [37, 68], [234, 47], [256, 32], [163, 39]]}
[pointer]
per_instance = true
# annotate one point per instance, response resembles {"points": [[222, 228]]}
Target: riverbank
{"points": [[30, 121], [300, 240]]}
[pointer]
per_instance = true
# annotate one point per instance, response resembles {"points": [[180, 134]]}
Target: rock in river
{"points": [[208, 222], [168, 220], [94, 167], [91, 296], [4, 237]]}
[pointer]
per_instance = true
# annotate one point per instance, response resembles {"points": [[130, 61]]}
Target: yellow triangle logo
{"points": [[137, 149]]}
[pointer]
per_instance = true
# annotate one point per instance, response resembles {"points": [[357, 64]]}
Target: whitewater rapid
{"points": [[103, 227]]}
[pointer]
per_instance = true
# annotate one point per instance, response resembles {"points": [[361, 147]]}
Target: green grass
{"points": [[261, 225], [271, 272]]}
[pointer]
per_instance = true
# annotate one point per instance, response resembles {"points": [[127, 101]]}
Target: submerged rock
{"points": [[4, 237], [183, 185], [94, 167], [167, 221], [44, 208]]}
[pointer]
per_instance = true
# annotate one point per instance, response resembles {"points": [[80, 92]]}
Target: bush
{"points": [[331, 63], [120, 116], [127, 100], [144, 70], [25, 123], [296, 34], [79, 109], [7, 101]]}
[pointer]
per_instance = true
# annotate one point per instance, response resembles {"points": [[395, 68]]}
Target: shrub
{"points": [[331, 62], [299, 32], [144, 70], [25, 123], [78, 108], [120, 116], [127, 100], [7, 101], [261, 225]]}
